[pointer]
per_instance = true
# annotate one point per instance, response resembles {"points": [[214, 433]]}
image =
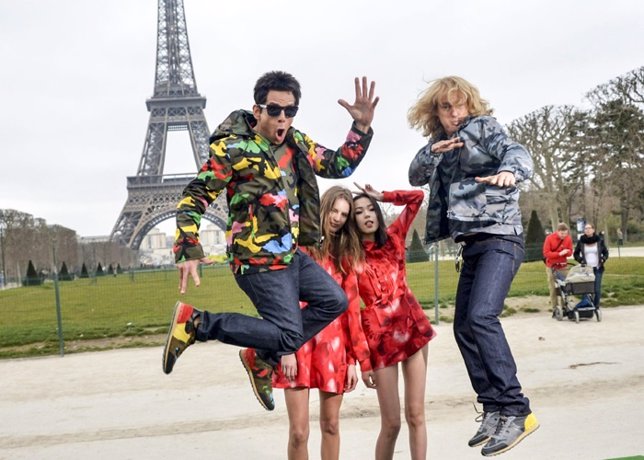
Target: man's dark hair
{"points": [[381, 233], [276, 81]]}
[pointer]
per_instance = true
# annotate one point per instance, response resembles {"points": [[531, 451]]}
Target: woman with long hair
{"points": [[327, 361], [393, 321]]}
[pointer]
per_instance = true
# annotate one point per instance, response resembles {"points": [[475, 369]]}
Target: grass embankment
{"points": [[134, 309]]}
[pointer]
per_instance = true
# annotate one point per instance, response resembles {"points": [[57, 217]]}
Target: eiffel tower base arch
{"points": [[152, 200]]}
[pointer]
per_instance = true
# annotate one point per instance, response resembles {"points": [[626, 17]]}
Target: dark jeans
{"points": [[599, 273], [283, 326], [489, 266]]}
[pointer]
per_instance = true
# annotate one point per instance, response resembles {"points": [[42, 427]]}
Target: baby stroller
{"points": [[579, 281]]}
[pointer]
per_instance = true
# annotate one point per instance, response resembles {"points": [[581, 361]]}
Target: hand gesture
{"points": [[189, 267], [370, 191], [289, 366], [352, 379], [369, 379], [447, 145], [502, 179], [364, 106]]}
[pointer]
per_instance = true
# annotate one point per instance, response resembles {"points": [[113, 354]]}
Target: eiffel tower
{"points": [[175, 106]]}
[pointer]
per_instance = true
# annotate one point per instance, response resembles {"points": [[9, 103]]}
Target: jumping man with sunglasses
{"points": [[267, 169]]}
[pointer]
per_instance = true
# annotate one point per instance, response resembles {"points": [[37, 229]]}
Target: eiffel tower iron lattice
{"points": [[176, 105]]}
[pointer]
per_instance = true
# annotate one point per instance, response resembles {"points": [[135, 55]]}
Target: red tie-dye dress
{"points": [[393, 321], [323, 361]]}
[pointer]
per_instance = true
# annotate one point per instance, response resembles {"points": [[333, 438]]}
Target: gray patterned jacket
{"points": [[458, 205]]}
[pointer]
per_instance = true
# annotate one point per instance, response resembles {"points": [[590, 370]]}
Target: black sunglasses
{"points": [[274, 110]]}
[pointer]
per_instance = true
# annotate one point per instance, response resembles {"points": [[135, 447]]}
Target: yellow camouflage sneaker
{"points": [[260, 374], [510, 431], [181, 334]]}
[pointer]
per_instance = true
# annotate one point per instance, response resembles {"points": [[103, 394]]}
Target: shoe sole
{"points": [[480, 443], [516, 441], [166, 352], [249, 372]]}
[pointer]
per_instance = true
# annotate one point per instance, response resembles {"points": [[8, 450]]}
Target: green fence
{"points": [[55, 316]]}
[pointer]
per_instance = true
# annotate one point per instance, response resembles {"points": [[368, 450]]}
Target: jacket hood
{"points": [[239, 122]]}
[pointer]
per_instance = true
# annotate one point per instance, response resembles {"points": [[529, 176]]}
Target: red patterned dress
{"points": [[393, 321], [323, 361]]}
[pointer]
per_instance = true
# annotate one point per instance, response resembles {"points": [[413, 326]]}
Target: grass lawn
{"points": [[134, 309]]}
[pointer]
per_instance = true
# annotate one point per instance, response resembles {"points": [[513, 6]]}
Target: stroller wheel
{"points": [[576, 313], [557, 313], [598, 314]]}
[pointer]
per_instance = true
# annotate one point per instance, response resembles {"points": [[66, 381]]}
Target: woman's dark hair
{"points": [[276, 80], [381, 233]]}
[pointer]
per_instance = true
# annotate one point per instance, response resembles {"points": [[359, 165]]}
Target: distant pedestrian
{"points": [[591, 250], [557, 248]]}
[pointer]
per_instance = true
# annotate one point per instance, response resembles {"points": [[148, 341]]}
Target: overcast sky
{"points": [[75, 75]]}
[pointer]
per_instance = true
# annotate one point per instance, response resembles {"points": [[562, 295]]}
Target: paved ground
{"points": [[585, 382]]}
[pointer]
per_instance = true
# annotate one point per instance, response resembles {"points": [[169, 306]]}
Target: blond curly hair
{"points": [[423, 115]]}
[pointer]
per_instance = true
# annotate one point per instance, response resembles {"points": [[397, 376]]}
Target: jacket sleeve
{"points": [[356, 341], [579, 253], [197, 196], [422, 166], [604, 254], [412, 200], [512, 155], [548, 250], [340, 163]]}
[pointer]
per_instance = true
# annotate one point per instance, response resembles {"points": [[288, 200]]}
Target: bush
{"points": [[534, 238], [416, 251], [64, 274], [32, 278]]}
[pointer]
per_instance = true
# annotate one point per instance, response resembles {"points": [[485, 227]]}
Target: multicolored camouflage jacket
{"points": [[259, 233], [458, 205]]}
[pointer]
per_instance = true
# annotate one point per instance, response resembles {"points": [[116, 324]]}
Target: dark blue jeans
{"points": [[489, 266], [283, 326], [599, 273]]}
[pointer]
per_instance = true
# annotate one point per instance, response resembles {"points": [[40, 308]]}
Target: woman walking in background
{"points": [[396, 327], [591, 250], [327, 361]]}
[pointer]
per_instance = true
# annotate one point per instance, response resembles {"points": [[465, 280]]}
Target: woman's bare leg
{"points": [[389, 401], [297, 406], [330, 425], [415, 375]]}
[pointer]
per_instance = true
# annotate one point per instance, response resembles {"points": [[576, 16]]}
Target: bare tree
{"points": [[551, 134], [617, 132]]}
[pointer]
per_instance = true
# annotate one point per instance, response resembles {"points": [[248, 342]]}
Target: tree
{"points": [[99, 270], [534, 238], [84, 273], [32, 278], [551, 135], [617, 133], [416, 252]]}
